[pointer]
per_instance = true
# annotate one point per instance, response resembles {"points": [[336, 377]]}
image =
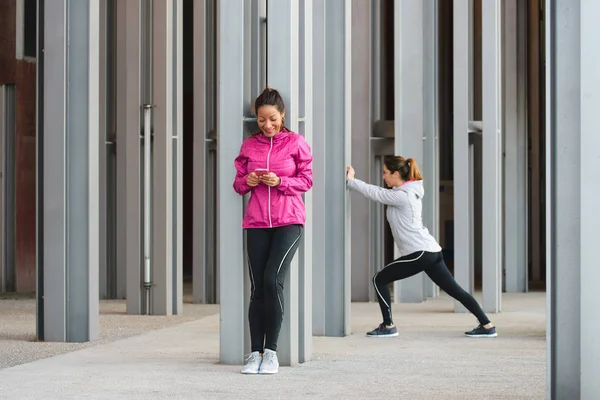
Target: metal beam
{"points": [[572, 93], [230, 132], [408, 113], [590, 190], [463, 111], [177, 160], [319, 190], [492, 156], [431, 167], [332, 105], [128, 115], [70, 176], [204, 208], [305, 250], [162, 154], [515, 144], [8, 117], [283, 63], [362, 123], [104, 280]]}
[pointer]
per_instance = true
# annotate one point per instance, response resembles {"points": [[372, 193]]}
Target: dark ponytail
{"points": [[407, 167]]}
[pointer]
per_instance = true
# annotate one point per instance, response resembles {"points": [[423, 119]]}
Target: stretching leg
{"points": [[398, 269], [440, 275]]}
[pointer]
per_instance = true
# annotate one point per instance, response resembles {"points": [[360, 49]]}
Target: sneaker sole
{"points": [[268, 372], [249, 372], [483, 336], [383, 336]]}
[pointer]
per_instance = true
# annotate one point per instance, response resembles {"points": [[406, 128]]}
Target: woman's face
{"points": [[270, 120], [391, 179]]}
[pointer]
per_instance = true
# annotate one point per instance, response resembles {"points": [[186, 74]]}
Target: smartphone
{"points": [[261, 171]]}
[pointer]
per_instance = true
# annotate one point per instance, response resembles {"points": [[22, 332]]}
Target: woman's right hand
{"points": [[350, 173], [252, 179]]}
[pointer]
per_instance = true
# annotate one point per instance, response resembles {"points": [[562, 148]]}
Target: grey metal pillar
{"points": [[162, 180], [331, 114], [283, 62], [8, 117], [319, 157], [230, 131], [590, 190], [177, 160], [128, 125], [573, 99], [204, 214], [463, 111], [362, 127], [491, 153], [69, 184], [408, 113], [514, 116], [166, 156], [430, 166], [104, 279], [305, 251]]}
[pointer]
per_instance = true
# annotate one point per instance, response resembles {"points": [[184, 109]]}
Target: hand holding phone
{"points": [[261, 171], [252, 180]]}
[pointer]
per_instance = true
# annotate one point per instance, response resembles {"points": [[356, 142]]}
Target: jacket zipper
{"points": [[269, 187]]}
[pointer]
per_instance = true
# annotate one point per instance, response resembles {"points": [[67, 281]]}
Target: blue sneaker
{"points": [[480, 331], [383, 331]]}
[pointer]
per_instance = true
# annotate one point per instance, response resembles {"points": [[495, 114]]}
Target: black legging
{"points": [[434, 266], [270, 252]]}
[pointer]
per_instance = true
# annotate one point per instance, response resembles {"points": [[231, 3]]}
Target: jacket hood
{"points": [[415, 187]]}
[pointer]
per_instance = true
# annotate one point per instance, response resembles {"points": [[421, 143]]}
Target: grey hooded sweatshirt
{"points": [[404, 213]]}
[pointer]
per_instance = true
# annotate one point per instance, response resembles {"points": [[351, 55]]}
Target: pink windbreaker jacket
{"points": [[288, 156]]}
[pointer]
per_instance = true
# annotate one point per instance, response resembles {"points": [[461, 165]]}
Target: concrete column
{"points": [[430, 166], [69, 184], [408, 112], [463, 111], [492, 158], [572, 93], [514, 115], [129, 167], [230, 132], [331, 114]]}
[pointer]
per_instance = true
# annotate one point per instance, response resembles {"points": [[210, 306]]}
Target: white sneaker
{"points": [[270, 363], [253, 363]]}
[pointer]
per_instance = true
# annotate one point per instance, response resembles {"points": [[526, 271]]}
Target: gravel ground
{"points": [[18, 343], [430, 359]]}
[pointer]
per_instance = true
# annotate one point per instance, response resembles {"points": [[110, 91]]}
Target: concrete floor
{"points": [[178, 357]]}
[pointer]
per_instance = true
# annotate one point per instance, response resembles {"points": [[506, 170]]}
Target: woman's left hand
{"points": [[270, 179], [349, 173]]}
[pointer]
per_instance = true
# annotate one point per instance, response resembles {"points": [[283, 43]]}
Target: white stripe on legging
{"points": [[251, 277], [279, 269], [393, 262]]}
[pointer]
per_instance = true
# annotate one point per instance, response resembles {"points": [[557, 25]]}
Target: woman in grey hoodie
{"points": [[419, 251]]}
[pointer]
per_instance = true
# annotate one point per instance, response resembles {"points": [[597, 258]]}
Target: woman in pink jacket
{"points": [[275, 167]]}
